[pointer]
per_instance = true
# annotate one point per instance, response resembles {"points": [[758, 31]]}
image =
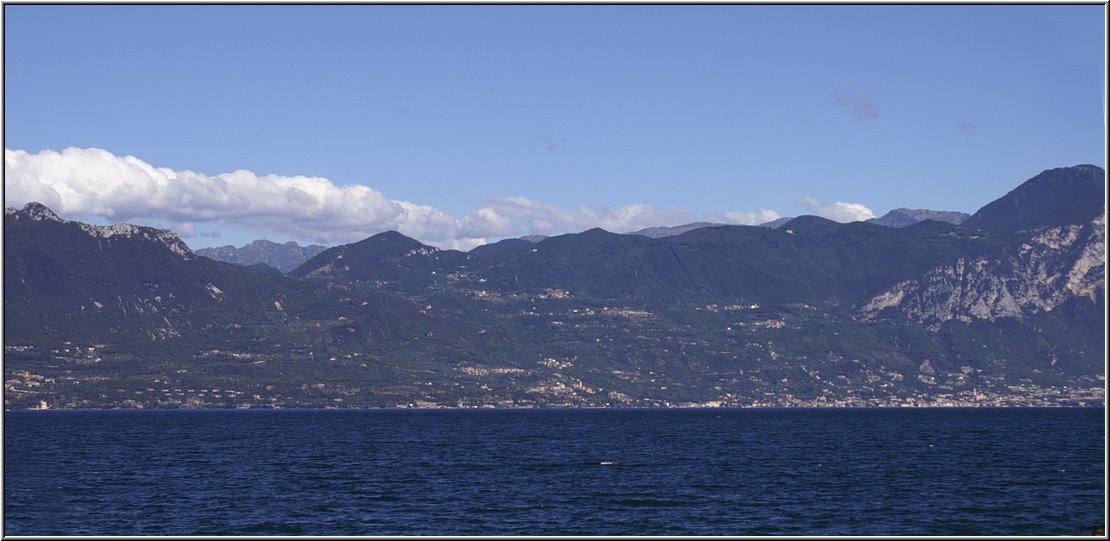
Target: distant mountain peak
{"points": [[807, 223], [38, 212], [394, 241], [596, 231], [35, 211], [264, 243], [902, 217], [391, 234], [282, 257], [1055, 197], [777, 223], [385, 256], [665, 231]]}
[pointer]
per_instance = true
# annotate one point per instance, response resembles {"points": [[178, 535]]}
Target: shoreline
{"points": [[571, 408]]}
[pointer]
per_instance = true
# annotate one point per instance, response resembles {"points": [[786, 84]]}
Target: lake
{"points": [[555, 472]]}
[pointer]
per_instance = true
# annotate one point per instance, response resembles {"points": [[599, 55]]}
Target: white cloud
{"points": [[838, 211], [761, 216], [95, 182], [515, 216], [525, 216]]}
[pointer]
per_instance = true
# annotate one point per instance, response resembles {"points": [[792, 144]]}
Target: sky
{"points": [[462, 125]]}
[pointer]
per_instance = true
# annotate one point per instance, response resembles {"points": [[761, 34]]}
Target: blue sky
{"points": [[464, 124]]}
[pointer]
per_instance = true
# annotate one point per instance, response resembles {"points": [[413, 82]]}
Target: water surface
{"points": [[555, 472]]}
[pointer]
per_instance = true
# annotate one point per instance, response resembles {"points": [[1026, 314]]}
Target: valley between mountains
{"points": [[1005, 307]]}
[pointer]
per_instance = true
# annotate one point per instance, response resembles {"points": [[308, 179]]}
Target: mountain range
{"points": [[288, 256], [1007, 307], [903, 217], [283, 257], [900, 217]]}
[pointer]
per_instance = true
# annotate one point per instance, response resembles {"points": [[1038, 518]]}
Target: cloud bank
{"points": [[95, 182], [838, 211]]}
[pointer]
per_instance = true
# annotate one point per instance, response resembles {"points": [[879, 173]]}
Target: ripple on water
{"points": [[721, 472]]}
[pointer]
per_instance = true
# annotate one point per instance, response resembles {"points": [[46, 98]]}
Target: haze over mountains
{"points": [[904, 217], [1008, 307], [901, 217], [285, 257]]}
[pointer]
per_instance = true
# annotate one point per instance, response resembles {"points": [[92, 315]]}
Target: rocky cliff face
{"points": [[283, 257], [1050, 268], [37, 212]]}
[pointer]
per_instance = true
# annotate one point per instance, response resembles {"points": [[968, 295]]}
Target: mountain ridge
{"points": [[811, 312], [1049, 193], [37, 212], [283, 257], [902, 217]]}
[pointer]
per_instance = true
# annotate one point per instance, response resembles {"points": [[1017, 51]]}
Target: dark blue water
{"points": [[555, 472]]}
